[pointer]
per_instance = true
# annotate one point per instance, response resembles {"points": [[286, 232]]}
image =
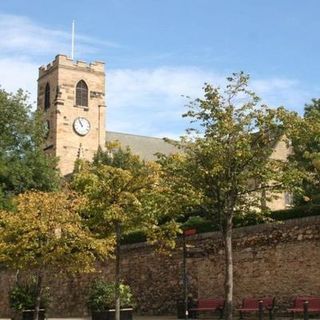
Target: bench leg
{"points": [[260, 315], [221, 313], [192, 315], [270, 314], [241, 315]]}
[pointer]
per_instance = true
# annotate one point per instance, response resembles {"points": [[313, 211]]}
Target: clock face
{"points": [[81, 126]]}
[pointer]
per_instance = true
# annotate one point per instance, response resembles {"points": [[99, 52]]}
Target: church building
{"points": [[72, 96]]}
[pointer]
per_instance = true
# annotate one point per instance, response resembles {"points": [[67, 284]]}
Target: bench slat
{"points": [[208, 305], [252, 304], [313, 305]]}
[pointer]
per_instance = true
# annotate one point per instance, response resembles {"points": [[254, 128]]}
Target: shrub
{"points": [[134, 237], [23, 297], [200, 224], [203, 225], [102, 296], [297, 212]]}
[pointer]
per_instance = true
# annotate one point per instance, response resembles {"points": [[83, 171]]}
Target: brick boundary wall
{"points": [[276, 259]]}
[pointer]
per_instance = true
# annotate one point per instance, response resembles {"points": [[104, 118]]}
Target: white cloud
{"points": [[141, 101], [151, 98], [20, 35], [148, 101], [16, 73], [281, 91], [171, 82]]}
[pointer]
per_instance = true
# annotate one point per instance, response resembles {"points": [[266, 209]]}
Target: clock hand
{"points": [[80, 123]]}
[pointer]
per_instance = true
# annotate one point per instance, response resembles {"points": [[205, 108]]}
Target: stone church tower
{"points": [[71, 94]]}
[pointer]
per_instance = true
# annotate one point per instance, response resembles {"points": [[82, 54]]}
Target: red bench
{"points": [[306, 305], [207, 305], [250, 305]]}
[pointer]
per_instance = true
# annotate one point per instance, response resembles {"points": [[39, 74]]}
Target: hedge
{"points": [[297, 212], [203, 225]]}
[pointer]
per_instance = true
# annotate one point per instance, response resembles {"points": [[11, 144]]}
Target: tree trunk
{"points": [[117, 282], [227, 234], [38, 297]]}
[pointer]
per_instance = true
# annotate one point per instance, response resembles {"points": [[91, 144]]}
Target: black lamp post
{"points": [[186, 234]]}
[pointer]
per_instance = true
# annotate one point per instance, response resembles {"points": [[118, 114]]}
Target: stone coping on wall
{"points": [[242, 231]]}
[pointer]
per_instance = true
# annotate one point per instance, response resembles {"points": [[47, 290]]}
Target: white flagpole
{"points": [[72, 40]]}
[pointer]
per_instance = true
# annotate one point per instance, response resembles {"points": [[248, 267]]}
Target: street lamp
{"points": [[186, 233]]}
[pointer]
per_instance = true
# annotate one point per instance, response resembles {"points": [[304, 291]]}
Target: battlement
{"points": [[64, 61]]}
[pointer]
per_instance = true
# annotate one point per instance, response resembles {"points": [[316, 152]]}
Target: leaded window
{"points": [[82, 94], [47, 97]]}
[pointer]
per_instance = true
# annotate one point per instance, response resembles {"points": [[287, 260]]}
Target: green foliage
{"points": [[102, 296], [118, 157], [306, 147], [228, 159], [23, 164], [53, 237], [123, 194], [201, 224], [297, 212], [45, 235], [122, 189], [312, 109], [134, 237], [23, 296]]}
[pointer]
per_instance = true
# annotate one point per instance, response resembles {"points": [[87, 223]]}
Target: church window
{"points": [[82, 94], [47, 97]]}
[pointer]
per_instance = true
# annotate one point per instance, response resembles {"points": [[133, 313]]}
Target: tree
{"points": [[123, 193], [312, 109], [227, 159], [53, 240], [306, 147], [23, 164]]}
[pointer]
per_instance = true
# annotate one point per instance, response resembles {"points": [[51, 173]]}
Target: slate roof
{"points": [[144, 146]]}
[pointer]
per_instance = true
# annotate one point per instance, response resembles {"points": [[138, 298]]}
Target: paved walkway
{"points": [[137, 317]]}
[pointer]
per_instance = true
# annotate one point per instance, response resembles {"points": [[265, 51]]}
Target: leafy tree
{"points": [[45, 235], [228, 159], [23, 164], [123, 193], [312, 109], [306, 147]]}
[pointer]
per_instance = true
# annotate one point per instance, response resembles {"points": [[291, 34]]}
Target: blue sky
{"points": [[157, 50]]}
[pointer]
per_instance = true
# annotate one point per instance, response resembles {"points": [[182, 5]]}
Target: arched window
{"points": [[47, 97], [82, 94]]}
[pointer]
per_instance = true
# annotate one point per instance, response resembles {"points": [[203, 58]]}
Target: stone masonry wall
{"points": [[280, 259]]}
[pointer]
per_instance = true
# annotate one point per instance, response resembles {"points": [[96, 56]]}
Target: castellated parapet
{"points": [[62, 60]]}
